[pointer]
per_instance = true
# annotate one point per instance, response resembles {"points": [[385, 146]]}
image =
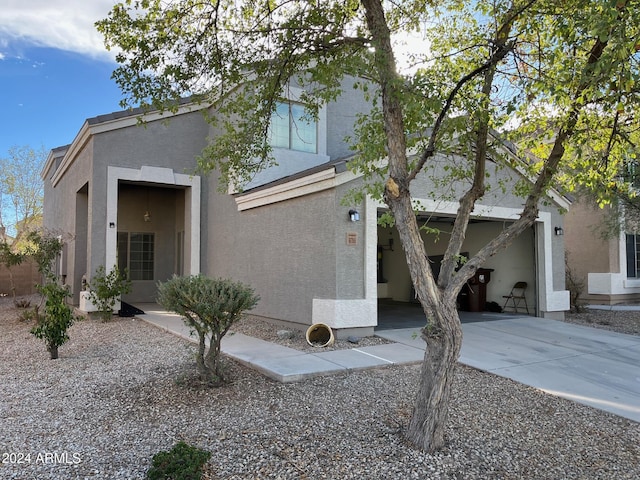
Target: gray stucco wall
{"points": [[342, 115], [286, 251], [171, 143], [60, 214]]}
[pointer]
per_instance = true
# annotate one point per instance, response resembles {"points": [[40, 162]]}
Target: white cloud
{"points": [[63, 24]]}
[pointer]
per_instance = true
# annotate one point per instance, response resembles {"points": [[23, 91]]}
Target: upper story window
{"points": [[291, 129]]}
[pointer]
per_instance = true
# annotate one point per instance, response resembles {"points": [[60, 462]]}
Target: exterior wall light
{"points": [[559, 231], [354, 215]]}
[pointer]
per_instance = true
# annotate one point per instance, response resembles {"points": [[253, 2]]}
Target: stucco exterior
{"points": [[287, 232], [85, 203], [597, 256]]}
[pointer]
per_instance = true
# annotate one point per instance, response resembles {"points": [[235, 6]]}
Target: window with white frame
{"points": [[136, 252], [290, 128], [633, 256]]}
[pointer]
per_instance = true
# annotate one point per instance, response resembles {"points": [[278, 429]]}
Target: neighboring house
{"points": [[129, 196], [606, 264]]}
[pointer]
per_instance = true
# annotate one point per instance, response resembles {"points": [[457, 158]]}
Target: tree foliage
{"points": [[106, 288], [57, 316], [559, 79], [21, 190], [209, 306]]}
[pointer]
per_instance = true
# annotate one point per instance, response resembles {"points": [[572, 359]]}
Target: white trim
{"points": [[87, 131], [158, 175], [355, 313], [612, 283], [549, 300], [316, 182]]}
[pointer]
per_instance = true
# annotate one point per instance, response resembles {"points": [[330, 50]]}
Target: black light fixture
{"points": [[354, 215], [559, 231]]}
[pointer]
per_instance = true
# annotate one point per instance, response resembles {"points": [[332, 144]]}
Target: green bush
{"points": [[57, 317], [54, 320], [209, 307], [182, 462], [106, 288]]}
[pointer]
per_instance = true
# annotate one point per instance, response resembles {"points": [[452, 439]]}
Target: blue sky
{"points": [[54, 71]]}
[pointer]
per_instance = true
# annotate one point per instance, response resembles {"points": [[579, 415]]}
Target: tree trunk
{"points": [[53, 352], [213, 362], [442, 333], [200, 364], [431, 408]]}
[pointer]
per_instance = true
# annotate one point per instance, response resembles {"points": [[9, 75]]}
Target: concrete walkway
{"points": [[590, 366]]}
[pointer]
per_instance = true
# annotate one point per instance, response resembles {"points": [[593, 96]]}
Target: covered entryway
{"points": [[153, 226], [150, 237]]}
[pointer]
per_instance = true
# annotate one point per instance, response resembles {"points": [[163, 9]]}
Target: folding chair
{"points": [[516, 298]]}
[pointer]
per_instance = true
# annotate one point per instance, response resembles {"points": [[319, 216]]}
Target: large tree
{"points": [[562, 75]]}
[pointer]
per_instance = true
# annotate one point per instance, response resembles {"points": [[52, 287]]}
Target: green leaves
{"points": [[56, 317], [214, 304], [106, 288], [210, 307]]}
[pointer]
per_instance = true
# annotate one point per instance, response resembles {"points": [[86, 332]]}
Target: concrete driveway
{"points": [[587, 365]]}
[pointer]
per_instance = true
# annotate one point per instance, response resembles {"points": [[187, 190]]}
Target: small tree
{"points": [[210, 307], [106, 288], [58, 316], [564, 75]]}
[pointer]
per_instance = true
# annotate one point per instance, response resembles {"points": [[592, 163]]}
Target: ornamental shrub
{"points": [[56, 318], [182, 462], [209, 307], [106, 288]]}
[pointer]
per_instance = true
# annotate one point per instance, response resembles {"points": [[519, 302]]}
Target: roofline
{"points": [[330, 174], [110, 122]]}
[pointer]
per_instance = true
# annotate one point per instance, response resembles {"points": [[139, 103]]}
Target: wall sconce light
{"points": [[354, 215], [559, 231], [112, 224]]}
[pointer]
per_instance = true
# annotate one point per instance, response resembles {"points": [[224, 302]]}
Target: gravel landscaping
{"points": [[118, 395]]}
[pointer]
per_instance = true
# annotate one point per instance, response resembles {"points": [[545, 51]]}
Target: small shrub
{"points": [[28, 314], [106, 288], [209, 307], [57, 317], [182, 462], [22, 303], [575, 287]]}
